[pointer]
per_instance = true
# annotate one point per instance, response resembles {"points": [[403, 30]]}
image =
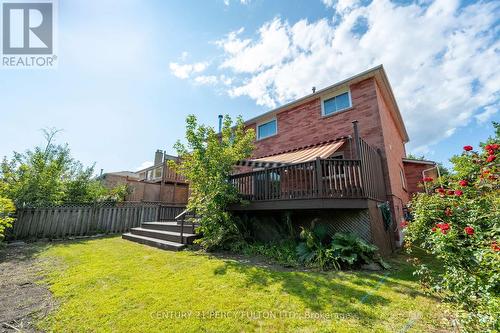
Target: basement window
{"points": [[267, 129], [337, 103]]}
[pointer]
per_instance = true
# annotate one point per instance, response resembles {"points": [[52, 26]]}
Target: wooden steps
{"points": [[163, 235]]}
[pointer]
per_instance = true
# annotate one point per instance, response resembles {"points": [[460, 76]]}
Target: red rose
{"points": [[468, 148], [491, 158], [441, 190], [491, 152], [451, 192], [494, 246], [463, 182], [448, 211], [444, 227], [427, 179], [458, 193], [404, 224], [495, 146], [434, 229], [488, 147], [469, 230]]}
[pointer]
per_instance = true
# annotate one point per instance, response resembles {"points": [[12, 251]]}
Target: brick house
{"points": [[335, 157], [157, 183], [336, 154]]}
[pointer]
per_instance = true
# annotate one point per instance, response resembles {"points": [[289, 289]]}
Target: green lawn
{"points": [[112, 285]]}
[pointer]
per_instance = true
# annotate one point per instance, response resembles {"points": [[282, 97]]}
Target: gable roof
{"points": [[378, 73]]}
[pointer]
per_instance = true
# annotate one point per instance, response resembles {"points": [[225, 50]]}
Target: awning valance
{"points": [[298, 156]]}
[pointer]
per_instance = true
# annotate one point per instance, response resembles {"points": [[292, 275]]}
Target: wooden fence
{"points": [[372, 172], [86, 220]]}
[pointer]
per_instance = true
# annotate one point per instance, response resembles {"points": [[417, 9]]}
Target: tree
{"points": [[207, 160], [48, 175]]}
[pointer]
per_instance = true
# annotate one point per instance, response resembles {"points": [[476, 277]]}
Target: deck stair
{"points": [[167, 235]]}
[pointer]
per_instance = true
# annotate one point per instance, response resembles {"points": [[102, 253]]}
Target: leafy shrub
{"points": [[459, 224], [6, 210], [314, 249], [282, 253], [346, 250], [353, 251], [49, 175]]}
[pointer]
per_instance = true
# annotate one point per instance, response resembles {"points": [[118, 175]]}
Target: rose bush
{"points": [[458, 222]]}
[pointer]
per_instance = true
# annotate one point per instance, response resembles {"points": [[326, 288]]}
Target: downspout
{"points": [[439, 176], [356, 139]]}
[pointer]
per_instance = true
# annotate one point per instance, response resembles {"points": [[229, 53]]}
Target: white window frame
{"points": [[263, 123], [333, 95]]}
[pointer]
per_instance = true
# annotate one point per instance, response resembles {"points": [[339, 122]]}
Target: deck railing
{"points": [[317, 179]]}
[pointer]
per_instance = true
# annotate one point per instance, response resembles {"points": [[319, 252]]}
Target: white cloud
{"points": [[270, 49], [243, 2], [144, 165], [206, 79], [341, 5], [185, 71], [442, 60], [488, 112]]}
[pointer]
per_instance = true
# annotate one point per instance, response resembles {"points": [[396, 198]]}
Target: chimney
{"points": [[220, 123], [159, 157]]}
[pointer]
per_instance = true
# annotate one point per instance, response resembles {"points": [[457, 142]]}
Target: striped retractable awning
{"points": [[298, 156]]}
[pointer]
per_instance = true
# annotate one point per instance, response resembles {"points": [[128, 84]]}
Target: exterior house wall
{"points": [[393, 152], [413, 173], [304, 125]]}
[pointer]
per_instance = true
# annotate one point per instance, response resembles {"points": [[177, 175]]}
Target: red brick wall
{"points": [[304, 125], [413, 174], [393, 153]]}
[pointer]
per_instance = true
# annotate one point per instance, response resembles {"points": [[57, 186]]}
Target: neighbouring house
{"points": [[336, 156], [415, 171], [157, 183]]}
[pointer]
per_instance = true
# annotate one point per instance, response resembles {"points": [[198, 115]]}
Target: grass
{"points": [[112, 285]]}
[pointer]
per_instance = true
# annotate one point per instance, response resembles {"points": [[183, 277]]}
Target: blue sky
{"points": [[130, 71]]}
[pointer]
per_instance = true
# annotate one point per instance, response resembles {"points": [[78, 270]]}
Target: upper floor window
{"points": [[337, 103], [267, 129]]}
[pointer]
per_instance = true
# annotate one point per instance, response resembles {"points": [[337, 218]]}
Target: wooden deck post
{"points": [[319, 177], [356, 139], [266, 184]]}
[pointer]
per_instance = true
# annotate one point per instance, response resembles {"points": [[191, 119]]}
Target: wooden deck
{"points": [[317, 184]]}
